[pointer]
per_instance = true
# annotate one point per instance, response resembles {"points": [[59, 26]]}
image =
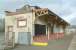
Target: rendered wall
{"points": [[12, 21]]}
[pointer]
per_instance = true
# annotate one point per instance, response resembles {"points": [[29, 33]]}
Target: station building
{"points": [[30, 24]]}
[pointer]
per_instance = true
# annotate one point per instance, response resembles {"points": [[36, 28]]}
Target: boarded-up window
{"points": [[22, 23]]}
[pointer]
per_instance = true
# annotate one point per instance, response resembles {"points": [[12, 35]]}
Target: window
{"points": [[22, 23]]}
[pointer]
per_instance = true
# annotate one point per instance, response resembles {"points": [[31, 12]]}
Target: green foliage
{"points": [[2, 24]]}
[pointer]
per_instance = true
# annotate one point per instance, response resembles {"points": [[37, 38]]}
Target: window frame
{"points": [[18, 20]]}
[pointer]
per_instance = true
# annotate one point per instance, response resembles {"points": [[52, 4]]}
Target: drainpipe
{"points": [[47, 31]]}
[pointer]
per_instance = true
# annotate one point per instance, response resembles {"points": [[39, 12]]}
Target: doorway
{"points": [[40, 33], [10, 37], [40, 29]]}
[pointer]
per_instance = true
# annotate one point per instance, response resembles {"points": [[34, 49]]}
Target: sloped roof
{"points": [[59, 18], [28, 8]]}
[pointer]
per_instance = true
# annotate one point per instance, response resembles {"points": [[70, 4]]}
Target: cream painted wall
{"points": [[58, 29], [27, 16], [11, 20]]}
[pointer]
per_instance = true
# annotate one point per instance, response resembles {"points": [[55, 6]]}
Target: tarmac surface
{"points": [[61, 44], [2, 40], [67, 43]]}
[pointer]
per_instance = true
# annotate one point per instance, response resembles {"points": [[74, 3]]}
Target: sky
{"points": [[64, 8]]}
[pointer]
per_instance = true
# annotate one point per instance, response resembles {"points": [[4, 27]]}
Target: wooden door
{"points": [[10, 37]]}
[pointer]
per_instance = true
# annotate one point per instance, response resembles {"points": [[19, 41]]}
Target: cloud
{"points": [[71, 18], [13, 4], [64, 8]]}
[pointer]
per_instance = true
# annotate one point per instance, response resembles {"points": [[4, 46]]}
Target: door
{"points": [[10, 37], [24, 38]]}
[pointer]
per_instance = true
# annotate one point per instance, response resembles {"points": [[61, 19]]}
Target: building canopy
{"points": [[50, 16]]}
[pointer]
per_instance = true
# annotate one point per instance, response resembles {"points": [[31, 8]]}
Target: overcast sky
{"points": [[64, 8]]}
